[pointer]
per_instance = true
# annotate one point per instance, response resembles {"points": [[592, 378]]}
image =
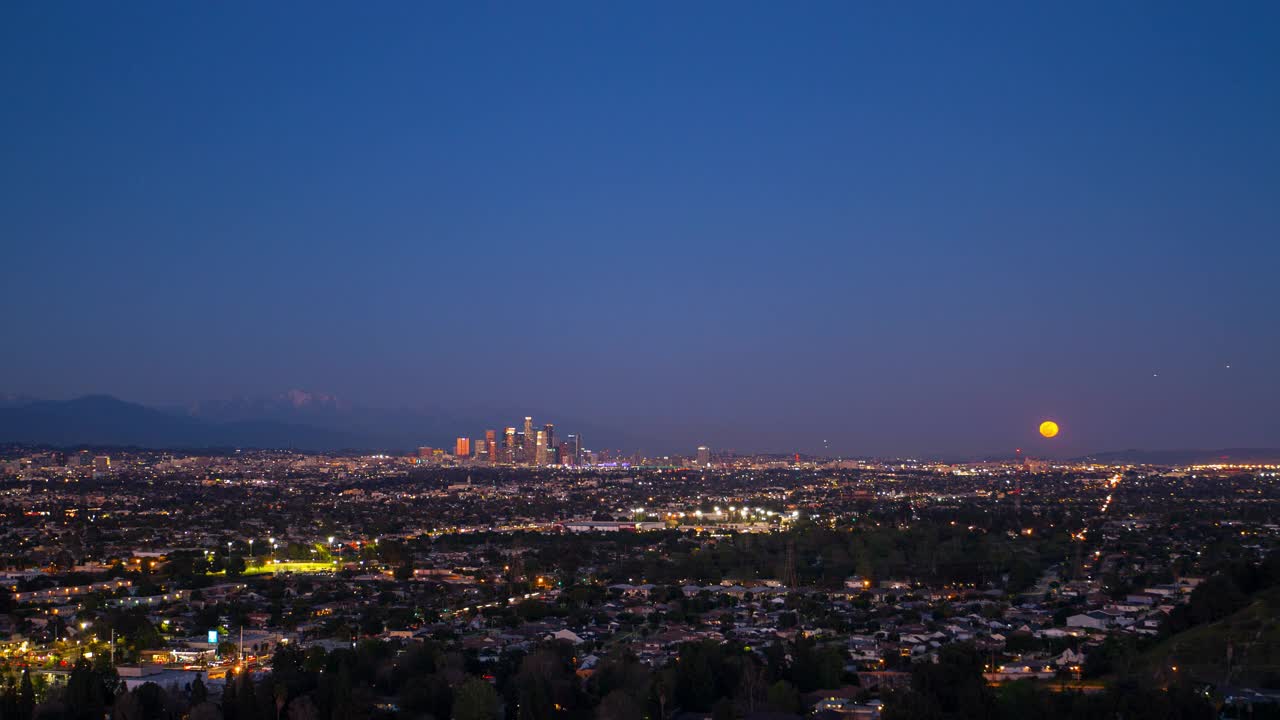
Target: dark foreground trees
{"points": [[425, 680], [954, 689]]}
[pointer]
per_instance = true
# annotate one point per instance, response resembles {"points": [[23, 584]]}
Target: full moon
{"points": [[1048, 428]]}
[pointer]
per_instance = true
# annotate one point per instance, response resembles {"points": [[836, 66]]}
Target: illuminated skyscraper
{"points": [[540, 449], [509, 452], [704, 456], [550, 430], [462, 448], [575, 449], [491, 439], [527, 446]]}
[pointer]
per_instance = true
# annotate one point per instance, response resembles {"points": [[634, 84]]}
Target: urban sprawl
{"points": [[522, 576]]}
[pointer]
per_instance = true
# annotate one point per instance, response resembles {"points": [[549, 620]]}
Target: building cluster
{"points": [[176, 565], [525, 445]]}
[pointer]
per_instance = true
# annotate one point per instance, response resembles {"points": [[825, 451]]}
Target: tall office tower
{"points": [[527, 445], [521, 444], [540, 449], [462, 448], [482, 450], [509, 452], [491, 439], [550, 430], [704, 455]]}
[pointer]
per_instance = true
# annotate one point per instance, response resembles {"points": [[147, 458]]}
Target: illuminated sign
{"points": [[213, 637]]}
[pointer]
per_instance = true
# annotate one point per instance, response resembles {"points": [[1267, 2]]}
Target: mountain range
{"points": [[294, 419], [318, 422], [1188, 457], [105, 420]]}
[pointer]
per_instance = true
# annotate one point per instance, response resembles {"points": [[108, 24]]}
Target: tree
{"points": [[302, 709], [427, 694], [783, 697], [475, 699], [342, 700], [535, 686], [696, 682], [954, 686], [621, 671], [1024, 699], [911, 705], [544, 681], [26, 697], [205, 711], [726, 622], [829, 668], [228, 700], [246, 705], [85, 695], [9, 701], [1115, 654], [148, 701], [661, 694], [751, 686], [1215, 598]]}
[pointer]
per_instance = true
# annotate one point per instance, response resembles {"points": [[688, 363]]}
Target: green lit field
{"points": [[290, 566]]}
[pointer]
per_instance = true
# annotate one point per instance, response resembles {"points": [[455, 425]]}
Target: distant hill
{"points": [[303, 420], [400, 428], [291, 420], [403, 428], [1186, 457], [105, 420], [15, 400]]}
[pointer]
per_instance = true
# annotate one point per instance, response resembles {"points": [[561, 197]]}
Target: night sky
{"points": [[899, 227]]}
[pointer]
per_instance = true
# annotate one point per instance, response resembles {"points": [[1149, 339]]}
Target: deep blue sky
{"points": [[902, 227]]}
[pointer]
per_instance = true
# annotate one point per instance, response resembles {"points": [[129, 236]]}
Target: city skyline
{"points": [[103, 422]]}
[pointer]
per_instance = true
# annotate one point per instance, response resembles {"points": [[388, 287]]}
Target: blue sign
{"points": [[213, 637]]}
